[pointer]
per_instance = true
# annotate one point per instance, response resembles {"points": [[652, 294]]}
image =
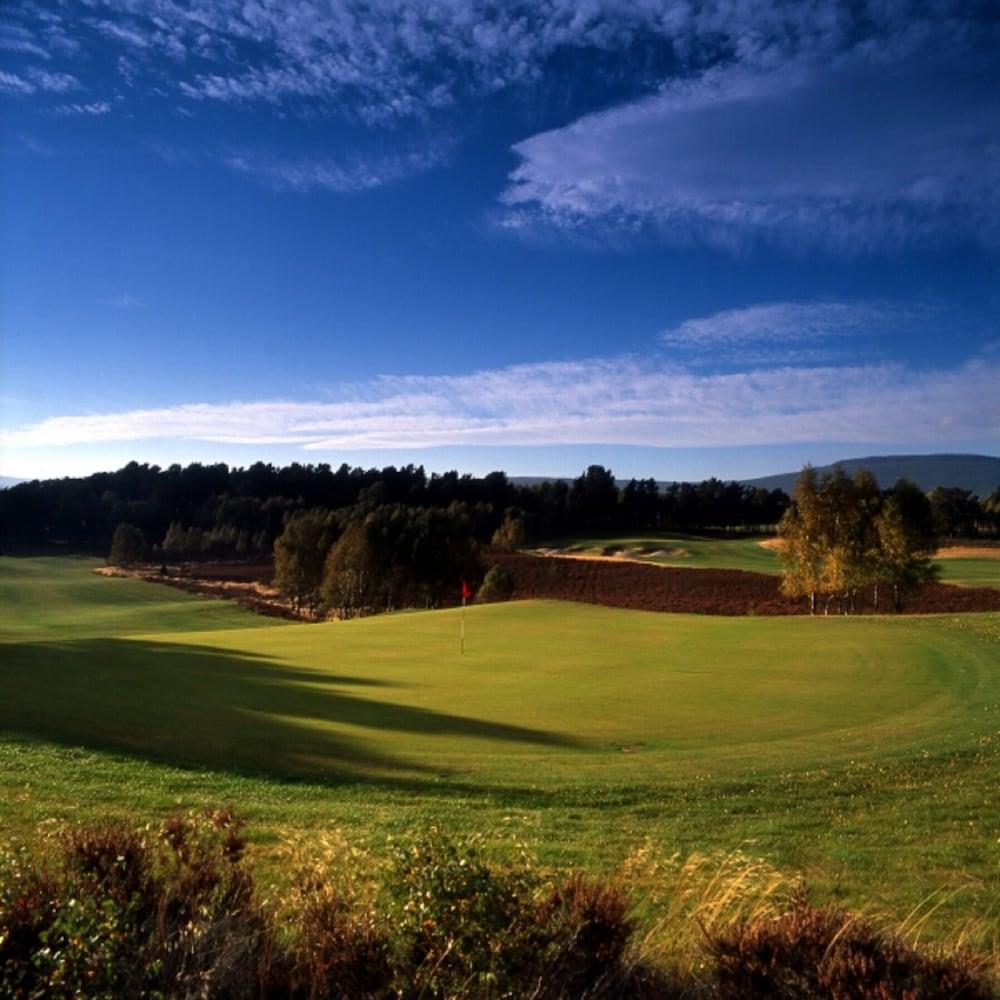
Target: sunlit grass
{"points": [[863, 753]]}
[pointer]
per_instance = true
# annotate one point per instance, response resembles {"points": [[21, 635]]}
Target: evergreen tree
{"points": [[906, 542], [128, 546]]}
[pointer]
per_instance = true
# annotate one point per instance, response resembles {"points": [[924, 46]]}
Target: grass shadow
{"points": [[238, 712]]}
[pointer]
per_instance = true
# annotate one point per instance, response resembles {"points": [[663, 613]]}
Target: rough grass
{"points": [[862, 752]]}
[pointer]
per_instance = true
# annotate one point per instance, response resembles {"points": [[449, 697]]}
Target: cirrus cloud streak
{"points": [[621, 400], [868, 150]]}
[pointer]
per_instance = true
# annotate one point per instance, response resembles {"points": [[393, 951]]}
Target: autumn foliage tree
{"points": [[803, 550], [843, 537]]}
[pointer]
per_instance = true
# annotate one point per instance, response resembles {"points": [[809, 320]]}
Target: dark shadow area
{"points": [[236, 712]]}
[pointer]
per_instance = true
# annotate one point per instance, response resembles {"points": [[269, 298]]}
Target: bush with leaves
{"points": [[497, 585], [119, 912]]}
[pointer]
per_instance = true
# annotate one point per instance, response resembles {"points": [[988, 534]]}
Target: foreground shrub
{"points": [[173, 912], [472, 929], [811, 952], [121, 912], [584, 929], [463, 925], [335, 951]]}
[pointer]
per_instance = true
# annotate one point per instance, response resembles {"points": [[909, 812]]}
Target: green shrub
{"points": [[128, 546], [461, 922], [120, 912], [498, 585]]}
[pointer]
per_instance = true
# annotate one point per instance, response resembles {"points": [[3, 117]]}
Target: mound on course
{"points": [[862, 751]]}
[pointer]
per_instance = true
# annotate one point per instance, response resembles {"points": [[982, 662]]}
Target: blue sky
{"points": [[677, 239]]}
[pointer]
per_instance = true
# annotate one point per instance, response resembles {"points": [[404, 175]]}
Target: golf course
{"points": [[863, 753], [974, 567]]}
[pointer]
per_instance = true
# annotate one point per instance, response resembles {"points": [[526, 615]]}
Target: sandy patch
{"points": [[950, 552], [968, 552]]}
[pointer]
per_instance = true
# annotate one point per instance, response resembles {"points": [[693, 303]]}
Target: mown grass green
{"points": [[972, 572], [864, 752]]}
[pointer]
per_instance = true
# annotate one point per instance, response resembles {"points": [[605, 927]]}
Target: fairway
{"points": [[672, 549], [861, 750], [970, 572], [696, 552]]}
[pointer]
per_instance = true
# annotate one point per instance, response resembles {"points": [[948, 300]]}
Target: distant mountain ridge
{"points": [[978, 473], [6, 481]]}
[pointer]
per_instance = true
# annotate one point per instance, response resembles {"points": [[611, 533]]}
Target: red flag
{"points": [[466, 591]]}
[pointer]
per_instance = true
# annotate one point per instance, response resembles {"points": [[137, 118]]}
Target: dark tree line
{"points": [[217, 511], [214, 510]]}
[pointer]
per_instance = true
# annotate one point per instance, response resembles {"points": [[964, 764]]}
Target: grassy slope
{"points": [[864, 752], [747, 554], [51, 598]]}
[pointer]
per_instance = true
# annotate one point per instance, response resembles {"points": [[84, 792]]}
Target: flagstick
{"points": [[462, 631]]}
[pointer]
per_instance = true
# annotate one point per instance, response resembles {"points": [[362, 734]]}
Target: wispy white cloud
{"points": [[787, 322], [16, 38], [11, 83], [55, 83], [344, 176], [33, 30], [874, 148], [383, 59], [620, 400], [74, 110], [124, 32]]}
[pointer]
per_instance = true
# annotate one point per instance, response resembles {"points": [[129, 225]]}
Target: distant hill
{"points": [[978, 473], [6, 481]]}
